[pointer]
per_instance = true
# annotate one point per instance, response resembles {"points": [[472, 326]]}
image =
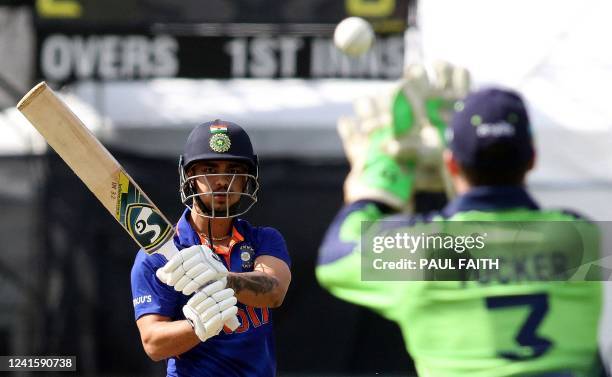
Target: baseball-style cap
{"points": [[490, 129], [219, 140]]}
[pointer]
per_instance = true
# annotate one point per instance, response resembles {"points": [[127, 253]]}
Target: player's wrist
{"points": [[385, 181], [190, 323], [190, 327]]}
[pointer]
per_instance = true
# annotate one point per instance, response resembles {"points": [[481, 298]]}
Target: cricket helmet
{"points": [[219, 141]]}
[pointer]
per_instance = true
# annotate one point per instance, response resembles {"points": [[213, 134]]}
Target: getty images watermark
{"points": [[482, 252], [410, 243]]}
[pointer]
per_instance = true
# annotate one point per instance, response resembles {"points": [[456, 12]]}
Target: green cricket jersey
{"points": [[507, 327]]}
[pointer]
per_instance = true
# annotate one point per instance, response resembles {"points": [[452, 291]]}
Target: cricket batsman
{"points": [[500, 327], [226, 267]]}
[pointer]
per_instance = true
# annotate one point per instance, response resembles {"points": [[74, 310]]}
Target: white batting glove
{"points": [[192, 268], [209, 309]]}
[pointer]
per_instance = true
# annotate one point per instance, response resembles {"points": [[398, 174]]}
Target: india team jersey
{"points": [[249, 350], [499, 327]]}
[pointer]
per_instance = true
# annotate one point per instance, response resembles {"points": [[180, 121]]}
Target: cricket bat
{"points": [[100, 172]]}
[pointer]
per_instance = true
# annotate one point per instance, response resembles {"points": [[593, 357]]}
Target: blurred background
{"points": [[142, 73]]}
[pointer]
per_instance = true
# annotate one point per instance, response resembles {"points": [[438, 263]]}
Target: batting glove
{"points": [[192, 268], [208, 310]]}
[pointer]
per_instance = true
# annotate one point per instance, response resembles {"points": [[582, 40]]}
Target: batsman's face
{"points": [[220, 182]]}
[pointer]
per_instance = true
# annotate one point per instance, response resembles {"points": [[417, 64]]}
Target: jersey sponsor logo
{"points": [[142, 300], [495, 129]]}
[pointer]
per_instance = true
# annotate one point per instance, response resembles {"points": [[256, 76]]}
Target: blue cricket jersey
{"points": [[249, 351]]}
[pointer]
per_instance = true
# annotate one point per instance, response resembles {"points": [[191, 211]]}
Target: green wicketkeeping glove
{"points": [[395, 143]]}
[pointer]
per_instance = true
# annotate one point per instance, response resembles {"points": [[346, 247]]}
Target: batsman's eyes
{"points": [[213, 170], [237, 171]]}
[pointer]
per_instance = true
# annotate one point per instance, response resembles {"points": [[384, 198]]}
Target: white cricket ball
{"points": [[354, 36]]}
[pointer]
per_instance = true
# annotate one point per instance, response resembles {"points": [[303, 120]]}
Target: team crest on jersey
{"points": [[220, 143], [246, 256]]}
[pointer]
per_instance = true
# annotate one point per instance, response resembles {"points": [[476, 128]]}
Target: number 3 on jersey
{"points": [[506, 310]]}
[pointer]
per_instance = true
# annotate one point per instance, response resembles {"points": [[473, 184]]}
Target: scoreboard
{"points": [[128, 12], [141, 39]]}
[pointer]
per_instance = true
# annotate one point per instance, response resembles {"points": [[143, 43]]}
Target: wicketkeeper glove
{"points": [[209, 309], [396, 141]]}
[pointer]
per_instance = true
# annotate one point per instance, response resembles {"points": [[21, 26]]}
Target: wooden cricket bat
{"points": [[100, 172], [98, 169]]}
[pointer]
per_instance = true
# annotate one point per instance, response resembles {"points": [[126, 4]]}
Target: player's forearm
{"points": [[257, 289], [166, 339], [344, 233], [339, 265]]}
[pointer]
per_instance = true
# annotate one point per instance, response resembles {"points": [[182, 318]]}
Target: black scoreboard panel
{"points": [[113, 12], [140, 39], [119, 13]]}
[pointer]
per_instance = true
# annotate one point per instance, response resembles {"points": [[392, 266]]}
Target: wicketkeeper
{"points": [[511, 326]]}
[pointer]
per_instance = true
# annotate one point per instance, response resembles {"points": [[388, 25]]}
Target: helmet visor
{"points": [[219, 195]]}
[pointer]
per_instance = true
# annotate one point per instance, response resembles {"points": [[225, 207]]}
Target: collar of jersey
{"points": [[186, 236], [491, 198]]}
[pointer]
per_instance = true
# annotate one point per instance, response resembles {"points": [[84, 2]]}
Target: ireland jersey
{"points": [[505, 325]]}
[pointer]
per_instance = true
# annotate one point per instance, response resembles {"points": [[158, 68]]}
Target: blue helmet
{"points": [[219, 141]]}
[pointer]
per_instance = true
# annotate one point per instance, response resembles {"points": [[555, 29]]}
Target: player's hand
{"points": [[431, 92], [209, 309], [192, 268], [395, 143]]}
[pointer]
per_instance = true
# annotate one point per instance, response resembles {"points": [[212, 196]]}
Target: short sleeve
{"points": [[271, 242], [149, 295]]}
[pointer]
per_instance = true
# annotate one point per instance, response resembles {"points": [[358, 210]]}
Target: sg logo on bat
{"points": [[146, 225], [139, 217]]}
